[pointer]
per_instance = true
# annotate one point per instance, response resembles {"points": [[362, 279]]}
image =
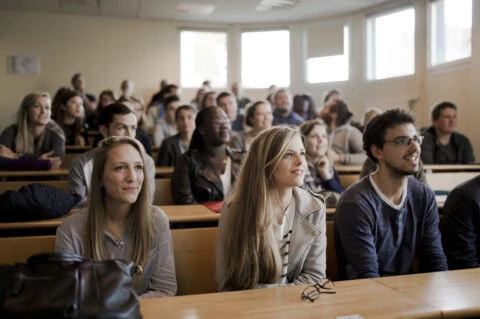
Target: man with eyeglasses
{"points": [[442, 144], [387, 220]]}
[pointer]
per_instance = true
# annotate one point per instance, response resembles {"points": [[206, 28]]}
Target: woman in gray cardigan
{"points": [[274, 233]]}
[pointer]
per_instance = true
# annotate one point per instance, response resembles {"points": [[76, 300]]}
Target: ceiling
{"points": [[224, 11]]}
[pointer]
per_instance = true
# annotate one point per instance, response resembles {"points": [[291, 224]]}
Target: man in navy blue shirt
{"points": [[282, 113], [387, 220]]}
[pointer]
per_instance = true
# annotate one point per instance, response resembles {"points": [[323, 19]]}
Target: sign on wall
{"points": [[23, 64]]}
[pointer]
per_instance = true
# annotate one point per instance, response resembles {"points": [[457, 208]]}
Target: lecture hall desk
{"points": [[455, 293], [365, 297]]}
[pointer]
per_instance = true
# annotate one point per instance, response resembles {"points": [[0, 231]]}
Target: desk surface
{"points": [[165, 170], [64, 172], [355, 169], [455, 293], [366, 298]]}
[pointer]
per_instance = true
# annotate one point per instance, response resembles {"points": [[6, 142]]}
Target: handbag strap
{"points": [[47, 258]]}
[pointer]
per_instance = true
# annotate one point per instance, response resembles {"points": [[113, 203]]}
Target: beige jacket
{"points": [[308, 245]]}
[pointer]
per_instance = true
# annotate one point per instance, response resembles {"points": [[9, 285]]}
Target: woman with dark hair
{"points": [[345, 140], [271, 232], [321, 176], [259, 117], [207, 171], [198, 100], [34, 135], [70, 116], [174, 146], [304, 106], [119, 221], [209, 99]]}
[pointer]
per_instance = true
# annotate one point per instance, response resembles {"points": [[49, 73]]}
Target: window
{"points": [[450, 30], [266, 59], [331, 68], [391, 44], [203, 56]]}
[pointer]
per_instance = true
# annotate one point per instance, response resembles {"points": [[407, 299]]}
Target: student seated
{"points": [[119, 221], [271, 232], [461, 225], [207, 171], [321, 176], [70, 117], [229, 105], [174, 146], [34, 136], [442, 144], [114, 120], [89, 101], [259, 117], [345, 140], [283, 113], [166, 127], [387, 219]]}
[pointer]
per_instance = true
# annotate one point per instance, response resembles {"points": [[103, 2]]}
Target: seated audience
{"points": [[321, 175], [387, 220], [114, 120], [89, 101], [166, 127], [304, 106], [105, 98], [442, 144], [330, 97], [174, 146], [70, 117], [228, 103], [282, 112], [34, 136], [461, 225], [259, 117], [242, 101], [209, 99], [274, 233], [156, 109], [127, 88], [120, 222], [197, 101], [345, 140], [207, 171]]}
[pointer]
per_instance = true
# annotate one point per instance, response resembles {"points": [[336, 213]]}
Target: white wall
{"points": [[108, 50]]}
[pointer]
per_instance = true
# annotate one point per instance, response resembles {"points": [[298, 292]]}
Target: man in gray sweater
{"points": [[387, 220], [114, 120]]}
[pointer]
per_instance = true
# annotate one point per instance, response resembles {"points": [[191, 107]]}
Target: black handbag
{"points": [[62, 285]]}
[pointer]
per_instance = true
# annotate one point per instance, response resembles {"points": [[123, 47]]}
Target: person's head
{"points": [[300, 105], [370, 113], [228, 103], [71, 107], [185, 119], [330, 96], [316, 138], [282, 101], [78, 82], [212, 128], [209, 99], [259, 116], [163, 84], [117, 120], [118, 179], [444, 118], [274, 162], [137, 106], [170, 90], [199, 96], [390, 139], [339, 113], [107, 97], [171, 104], [236, 89], [127, 87]]}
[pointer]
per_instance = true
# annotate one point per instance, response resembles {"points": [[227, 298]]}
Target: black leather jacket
{"points": [[196, 181]]}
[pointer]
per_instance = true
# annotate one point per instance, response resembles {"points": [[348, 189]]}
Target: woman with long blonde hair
{"points": [[119, 222], [34, 135], [271, 232]]}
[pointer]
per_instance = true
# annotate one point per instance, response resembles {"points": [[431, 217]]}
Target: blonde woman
{"points": [[119, 222], [35, 135], [274, 233]]}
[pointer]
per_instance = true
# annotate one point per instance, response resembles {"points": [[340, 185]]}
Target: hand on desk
{"points": [[6, 152], [54, 160]]}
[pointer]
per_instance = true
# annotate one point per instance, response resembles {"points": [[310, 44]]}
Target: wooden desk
{"points": [[455, 293], [61, 172], [164, 171], [365, 297], [452, 167], [348, 169]]}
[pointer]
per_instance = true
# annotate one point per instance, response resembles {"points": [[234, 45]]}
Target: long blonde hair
{"points": [[139, 216], [24, 140], [252, 252]]}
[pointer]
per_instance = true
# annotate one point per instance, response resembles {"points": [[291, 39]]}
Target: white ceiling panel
{"points": [[226, 11]]}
